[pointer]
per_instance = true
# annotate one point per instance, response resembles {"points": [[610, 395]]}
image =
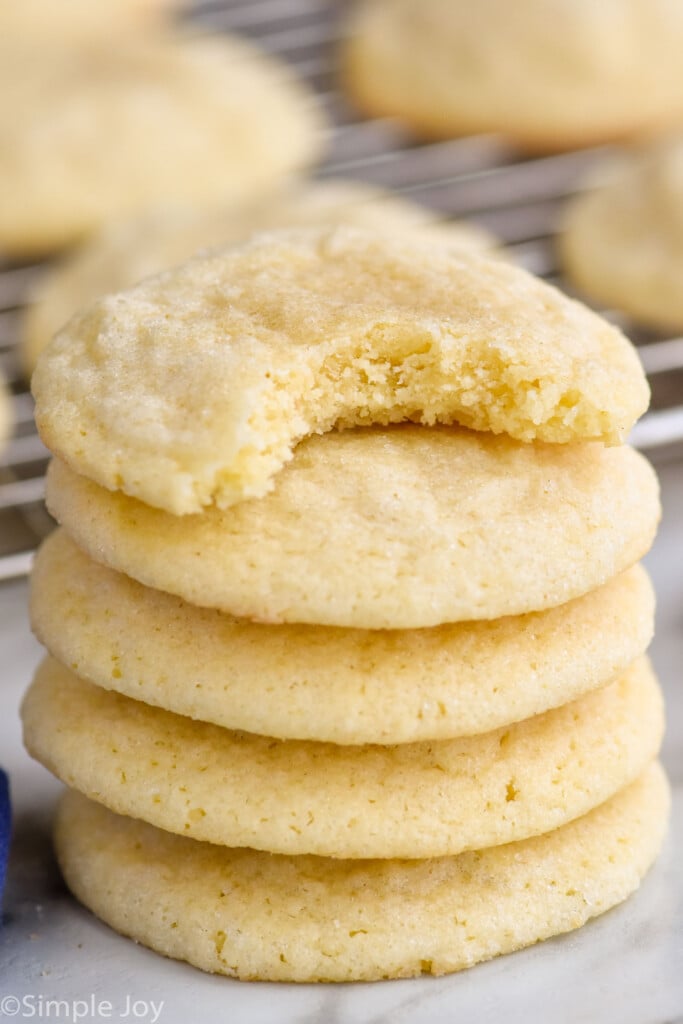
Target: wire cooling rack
{"points": [[477, 179]]}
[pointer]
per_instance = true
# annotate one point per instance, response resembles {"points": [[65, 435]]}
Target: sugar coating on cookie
{"points": [[549, 74], [193, 388], [413, 800], [122, 254], [257, 916], [394, 528], [347, 686], [621, 241], [97, 133]]}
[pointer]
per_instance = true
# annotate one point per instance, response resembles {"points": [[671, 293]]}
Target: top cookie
{"points": [[193, 388], [100, 132], [122, 254], [622, 241], [549, 74], [77, 20]]}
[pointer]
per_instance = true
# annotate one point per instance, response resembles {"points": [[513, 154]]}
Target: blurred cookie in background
{"points": [[97, 133], [124, 253], [548, 74], [51, 21], [622, 240]]}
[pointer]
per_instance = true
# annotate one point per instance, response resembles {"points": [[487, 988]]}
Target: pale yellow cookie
{"points": [[324, 683], [622, 240], [100, 132], [122, 254], [549, 74], [256, 916], [394, 528], [193, 388], [76, 21], [297, 797]]}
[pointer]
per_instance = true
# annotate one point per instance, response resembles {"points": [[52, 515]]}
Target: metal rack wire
{"points": [[478, 179]]}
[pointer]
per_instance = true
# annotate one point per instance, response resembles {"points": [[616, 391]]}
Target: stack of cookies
{"points": [[356, 703]]}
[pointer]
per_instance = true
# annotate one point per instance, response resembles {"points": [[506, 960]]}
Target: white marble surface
{"points": [[624, 968]]}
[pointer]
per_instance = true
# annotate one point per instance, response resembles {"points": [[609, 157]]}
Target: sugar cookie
{"points": [[94, 134], [76, 21], [549, 74], [394, 528], [292, 797], [193, 388], [257, 916], [122, 254], [324, 683], [622, 241]]}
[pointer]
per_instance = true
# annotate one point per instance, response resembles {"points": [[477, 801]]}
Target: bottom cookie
{"points": [[256, 915]]}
